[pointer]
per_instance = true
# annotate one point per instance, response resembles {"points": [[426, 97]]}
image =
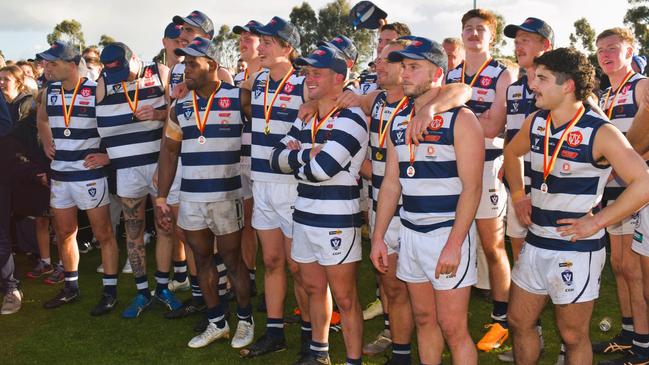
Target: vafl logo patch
{"points": [[336, 242], [92, 192], [567, 277], [575, 138]]}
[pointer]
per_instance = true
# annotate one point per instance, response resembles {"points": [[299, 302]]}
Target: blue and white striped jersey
{"points": [[520, 104]]}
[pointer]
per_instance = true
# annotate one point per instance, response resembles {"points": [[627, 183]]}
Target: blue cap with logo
{"points": [[280, 28], [238, 29], [172, 31], [324, 57], [200, 47], [344, 45], [366, 15], [421, 48], [531, 25], [197, 19], [116, 57], [60, 51]]}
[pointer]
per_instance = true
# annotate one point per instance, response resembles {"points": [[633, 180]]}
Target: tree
{"points": [[227, 42], [500, 40], [68, 31], [637, 17], [304, 18], [585, 35], [105, 40]]}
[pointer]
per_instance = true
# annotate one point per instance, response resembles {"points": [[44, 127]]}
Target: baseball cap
{"points": [[278, 27], [366, 15], [60, 51], [641, 62], [197, 19], [172, 31], [115, 57], [238, 29], [324, 57], [531, 25], [421, 48], [344, 45], [199, 47]]}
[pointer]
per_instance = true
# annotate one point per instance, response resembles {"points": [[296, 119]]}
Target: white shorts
{"points": [[566, 276], [641, 235], [326, 246], [391, 237], [246, 183], [84, 195], [220, 217], [274, 205], [419, 253], [626, 226], [137, 182], [514, 228], [494, 195]]}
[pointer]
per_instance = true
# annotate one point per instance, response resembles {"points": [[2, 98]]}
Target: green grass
{"points": [[69, 335]]}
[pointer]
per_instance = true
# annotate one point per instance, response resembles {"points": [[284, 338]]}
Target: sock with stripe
{"points": [[71, 280], [401, 353], [305, 328], [641, 345], [499, 313], [627, 329], [180, 271], [319, 349], [197, 294], [110, 285], [215, 315], [142, 284], [161, 281], [245, 314], [353, 361], [275, 327]]}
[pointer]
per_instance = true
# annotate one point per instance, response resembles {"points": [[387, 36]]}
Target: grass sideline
{"points": [[69, 335]]}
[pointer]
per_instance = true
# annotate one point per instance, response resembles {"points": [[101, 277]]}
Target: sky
{"points": [[24, 25]]}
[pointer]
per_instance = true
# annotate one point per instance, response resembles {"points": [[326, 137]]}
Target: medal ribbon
{"points": [[200, 124], [383, 131], [246, 74], [67, 112], [268, 108], [477, 74], [132, 103], [411, 147], [609, 112], [317, 124], [547, 167]]}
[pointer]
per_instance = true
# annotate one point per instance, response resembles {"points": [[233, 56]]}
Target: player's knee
{"points": [[616, 265], [452, 328], [294, 268], [347, 302], [64, 232], [273, 261], [105, 236], [631, 274], [573, 337], [395, 291]]}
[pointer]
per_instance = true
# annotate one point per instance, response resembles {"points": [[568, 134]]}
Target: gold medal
{"points": [[379, 156], [267, 130]]}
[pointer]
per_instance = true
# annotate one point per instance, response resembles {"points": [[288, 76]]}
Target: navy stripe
{"points": [[213, 131], [210, 158], [328, 192], [93, 174], [78, 111], [468, 264], [428, 227], [612, 193], [583, 289], [430, 204], [210, 185], [278, 114], [548, 218], [132, 161], [245, 150], [328, 164], [429, 170], [133, 138], [492, 154], [566, 184], [350, 249], [564, 245], [73, 156], [396, 211], [377, 180], [263, 165], [328, 220], [75, 133]]}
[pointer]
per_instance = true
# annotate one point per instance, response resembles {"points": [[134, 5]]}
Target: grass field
{"points": [[69, 335]]}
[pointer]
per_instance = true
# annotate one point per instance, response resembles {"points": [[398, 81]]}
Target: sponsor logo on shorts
{"points": [[567, 277], [565, 264], [637, 236], [338, 231], [336, 242]]}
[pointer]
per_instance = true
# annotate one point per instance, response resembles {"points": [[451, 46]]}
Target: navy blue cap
{"points": [[344, 45], [172, 31], [197, 19], [200, 47], [60, 51], [421, 48], [278, 27], [238, 29], [324, 57], [366, 15], [531, 25], [116, 57]]}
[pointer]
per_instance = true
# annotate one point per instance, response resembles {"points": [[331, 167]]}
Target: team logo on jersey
{"points": [[515, 107], [336, 242], [494, 199], [92, 192], [85, 92], [399, 137], [187, 112], [574, 139], [288, 88], [626, 89], [117, 88], [148, 73], [225, 103], [567, 277], [53, 99], [485, 81], [437, 123]]}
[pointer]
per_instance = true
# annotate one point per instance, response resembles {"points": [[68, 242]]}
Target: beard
{"points": [[415, 91]]}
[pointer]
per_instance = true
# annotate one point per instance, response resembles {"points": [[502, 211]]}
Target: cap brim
{"points": [[47, 56], [263, 31], [511, 29], [238, 29], [187, 51], [398, 56], [116, 75], [307, 61], [180, 20]]}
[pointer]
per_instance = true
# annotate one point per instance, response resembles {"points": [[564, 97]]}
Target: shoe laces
{"points": [[243, 329], [614, 347]]}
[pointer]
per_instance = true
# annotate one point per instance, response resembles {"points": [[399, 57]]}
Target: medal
{"points": [[201, 123], [268, 108], [383, 131], [609, 112], [379, 156], [410, 171], [317, 124], [549, 165], [67, 112], [132, 103], [477, 74]]}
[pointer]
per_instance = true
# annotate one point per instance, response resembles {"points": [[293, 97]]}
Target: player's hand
{"points": [[96, 160], [180, 90], [164, 216], [523, 208], [293, 145], [348, 99], [379, 255], [449, 260], [314, 151], [419, 123], [578, 228], [43, 179], [49, 149], [145, 112], [307, 110]]}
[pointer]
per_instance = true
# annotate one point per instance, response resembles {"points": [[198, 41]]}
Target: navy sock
{"points": [[142, 284], [627, 328], [641, 345], [215, 315], [499, 313], [71, 280], [161, 281], [110, 285], [401, 353], [275, 327], [319, 349], [305, 329], [245, 314], [353, 361], [386, 321], [180, 270], [197, 294]]}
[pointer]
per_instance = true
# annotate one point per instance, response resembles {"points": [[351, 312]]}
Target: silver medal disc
{"points": [[544, 188], [201, 140], [410, 171], [67, 132]]}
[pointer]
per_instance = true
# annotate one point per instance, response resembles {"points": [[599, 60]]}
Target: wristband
{"points": [[161, 200], [518, 195]]}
